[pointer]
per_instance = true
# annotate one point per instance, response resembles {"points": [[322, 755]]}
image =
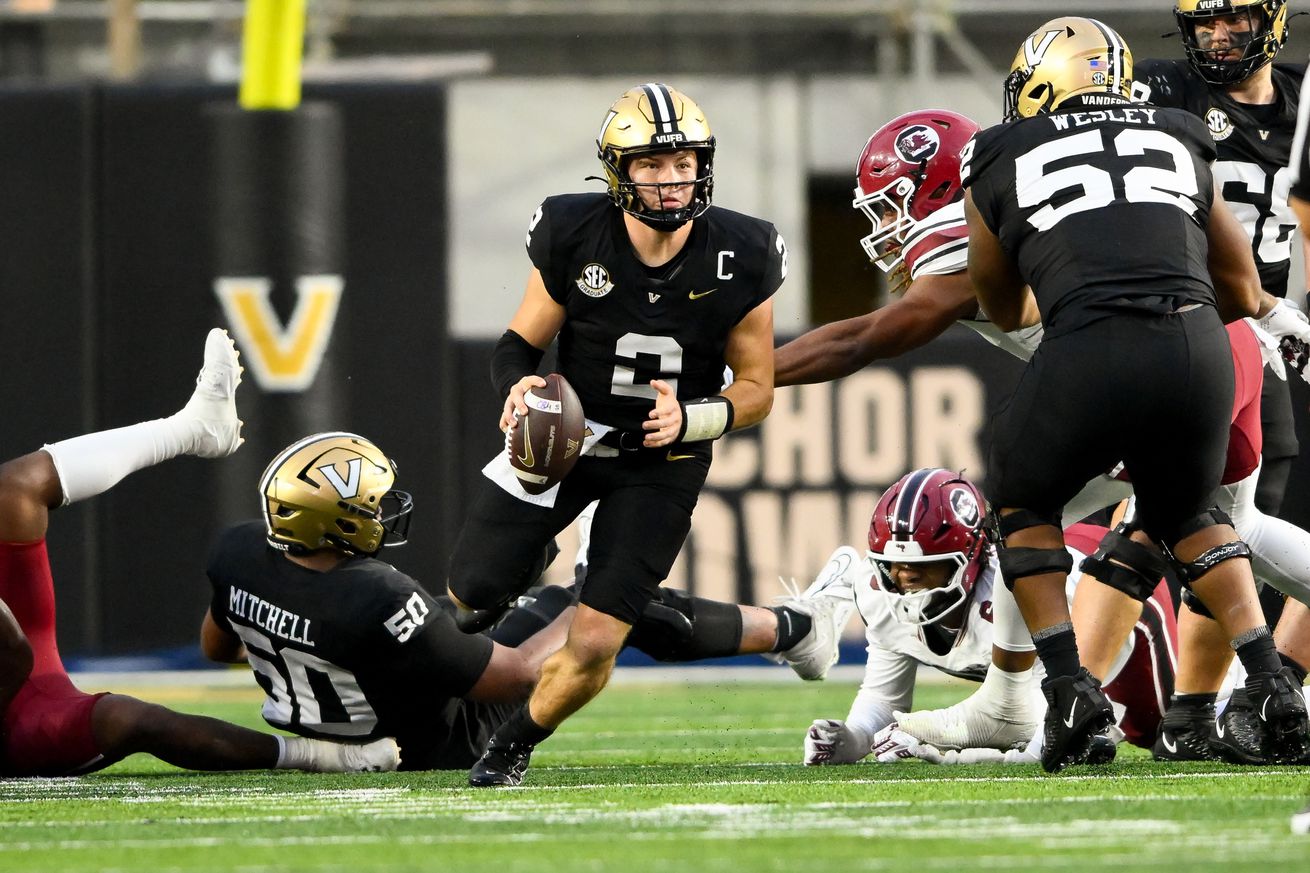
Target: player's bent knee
{"points": [[1125, 565], [1191, 570]]}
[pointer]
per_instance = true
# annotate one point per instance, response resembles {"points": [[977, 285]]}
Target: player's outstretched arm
{"points": [[996, 280], [841, 348]]}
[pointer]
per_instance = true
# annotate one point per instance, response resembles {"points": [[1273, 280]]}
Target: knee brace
{"points": [[1017, 562], [1189, 571], [1125, 565], [678, 627]]}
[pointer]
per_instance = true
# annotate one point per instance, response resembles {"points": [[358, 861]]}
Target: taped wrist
{"points": [[706, 418], [511, 360]]}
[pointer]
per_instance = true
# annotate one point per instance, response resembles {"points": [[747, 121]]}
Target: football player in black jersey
{"points": [[1250, 106], [50, 728], [1060, 198], [346, 646], [650, 291]]}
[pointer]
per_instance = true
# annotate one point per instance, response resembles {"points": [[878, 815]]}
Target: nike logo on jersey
{"points": [[696, 295], [1068, 722], [1169, 744], [672, 457]]}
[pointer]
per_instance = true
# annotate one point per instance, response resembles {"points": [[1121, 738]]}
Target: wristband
{"points": [[706, 418]]}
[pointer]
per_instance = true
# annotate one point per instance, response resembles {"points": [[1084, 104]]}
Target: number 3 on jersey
{"points": [[1141, 184]]}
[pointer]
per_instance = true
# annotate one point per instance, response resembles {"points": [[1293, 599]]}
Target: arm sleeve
{"points": [[888, 686]]}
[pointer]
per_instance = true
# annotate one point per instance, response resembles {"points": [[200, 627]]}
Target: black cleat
{"points": [[501, 766], [1187, 735], [1076, 711], [1276, 698], [1241, 737], [1101, 751]]}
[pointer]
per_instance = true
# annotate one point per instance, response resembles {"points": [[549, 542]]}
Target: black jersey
{"points": [[1299, 161], [1253, 144], [1103, 209], [627, 324], [355, 653]]}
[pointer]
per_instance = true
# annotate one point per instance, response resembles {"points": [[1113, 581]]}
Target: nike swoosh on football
{"points": [[1068, 722], [696, 295], [526, 458]]}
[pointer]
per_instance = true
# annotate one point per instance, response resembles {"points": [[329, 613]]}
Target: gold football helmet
{"points": [[655, 118], [1263, 30], [1064, 58], [333, 491]]}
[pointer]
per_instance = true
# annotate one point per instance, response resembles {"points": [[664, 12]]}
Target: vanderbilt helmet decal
{"points": [[309, 504], [281, 358], [1067, 58]]}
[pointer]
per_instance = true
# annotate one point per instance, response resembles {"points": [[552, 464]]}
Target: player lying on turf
{"points": [[50, 727], [347, 646], [930, 593]]}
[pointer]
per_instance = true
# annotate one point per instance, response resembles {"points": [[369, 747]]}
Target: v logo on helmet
{"points": [[349, 487], [1034, 52], [281, 358]]}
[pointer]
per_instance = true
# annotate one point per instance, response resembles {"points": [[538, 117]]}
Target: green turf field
{"points": [[692, 779]]}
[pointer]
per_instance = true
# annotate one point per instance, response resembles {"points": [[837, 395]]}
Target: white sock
{"points": [[92, 464], [296, 753], [1006, 695]]}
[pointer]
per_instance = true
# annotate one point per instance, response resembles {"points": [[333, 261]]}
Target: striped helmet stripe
{"points": [[1117, 48], [907, 502], [661, 104]]}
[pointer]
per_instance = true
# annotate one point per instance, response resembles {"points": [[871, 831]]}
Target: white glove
{"points": [[933, 755], [1285, 319], [891, 746], [831, 742], [1270, 352]]}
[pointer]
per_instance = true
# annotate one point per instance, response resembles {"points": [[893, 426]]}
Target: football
{"points": [[546, 443]]}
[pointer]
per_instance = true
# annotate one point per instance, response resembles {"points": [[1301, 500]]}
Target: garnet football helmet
{"points": [[908, 170], [927, 516], [655, 118], [1065, 58], [1268, 30], [333, 490]]}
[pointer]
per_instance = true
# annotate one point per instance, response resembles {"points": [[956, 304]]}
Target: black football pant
{"points": [[1153, 391], [646, 501]]}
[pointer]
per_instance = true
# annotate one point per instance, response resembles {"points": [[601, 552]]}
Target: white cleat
{"points": [[379, 756], [962, 726], [212, 409], [828, 602]]}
